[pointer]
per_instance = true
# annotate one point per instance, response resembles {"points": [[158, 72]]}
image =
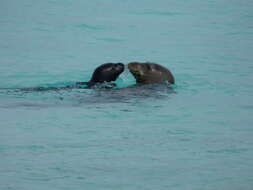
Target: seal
{"points": [[146, 73], [107, 72]]}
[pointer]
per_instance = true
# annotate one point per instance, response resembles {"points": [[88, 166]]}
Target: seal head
{"points": [[147, 73], [107, 72]]}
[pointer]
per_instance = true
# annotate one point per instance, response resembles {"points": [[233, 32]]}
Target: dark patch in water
{"points": [[41, 97]]}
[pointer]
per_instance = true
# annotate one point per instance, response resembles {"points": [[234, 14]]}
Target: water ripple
{"points": [[91, 27], [156, 13]]}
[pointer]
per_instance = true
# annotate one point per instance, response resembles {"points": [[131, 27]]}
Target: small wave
{"points": [[91, 27], [228, 150], [110, 39], [156, 13]]}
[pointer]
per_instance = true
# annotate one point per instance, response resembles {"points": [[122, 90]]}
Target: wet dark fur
{"points": [[146, 73], [107, 72]]}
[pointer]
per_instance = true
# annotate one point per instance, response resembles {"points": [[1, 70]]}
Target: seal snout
{"points": [[119, 67], [134, 68]]}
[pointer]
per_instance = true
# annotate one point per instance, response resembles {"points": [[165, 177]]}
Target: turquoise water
{"points": [[197, 135]]}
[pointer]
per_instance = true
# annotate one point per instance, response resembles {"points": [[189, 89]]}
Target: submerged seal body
{"points": [[147, 73], [107, 72]]}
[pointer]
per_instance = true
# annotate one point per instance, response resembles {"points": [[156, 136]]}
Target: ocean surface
{"points": [[195, 135]]}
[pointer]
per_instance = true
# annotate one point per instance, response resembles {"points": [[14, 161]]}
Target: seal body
{"points": [[107, 72], [147, 73]]}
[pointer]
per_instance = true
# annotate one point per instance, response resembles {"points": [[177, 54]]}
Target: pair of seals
{"points": [[106, 73], [144, 73]]}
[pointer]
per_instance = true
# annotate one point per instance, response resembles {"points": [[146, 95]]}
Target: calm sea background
{"points": [[197, 136]]}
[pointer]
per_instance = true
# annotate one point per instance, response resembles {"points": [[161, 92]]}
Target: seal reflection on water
{"points": [[107, 72], [147, 73]]}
